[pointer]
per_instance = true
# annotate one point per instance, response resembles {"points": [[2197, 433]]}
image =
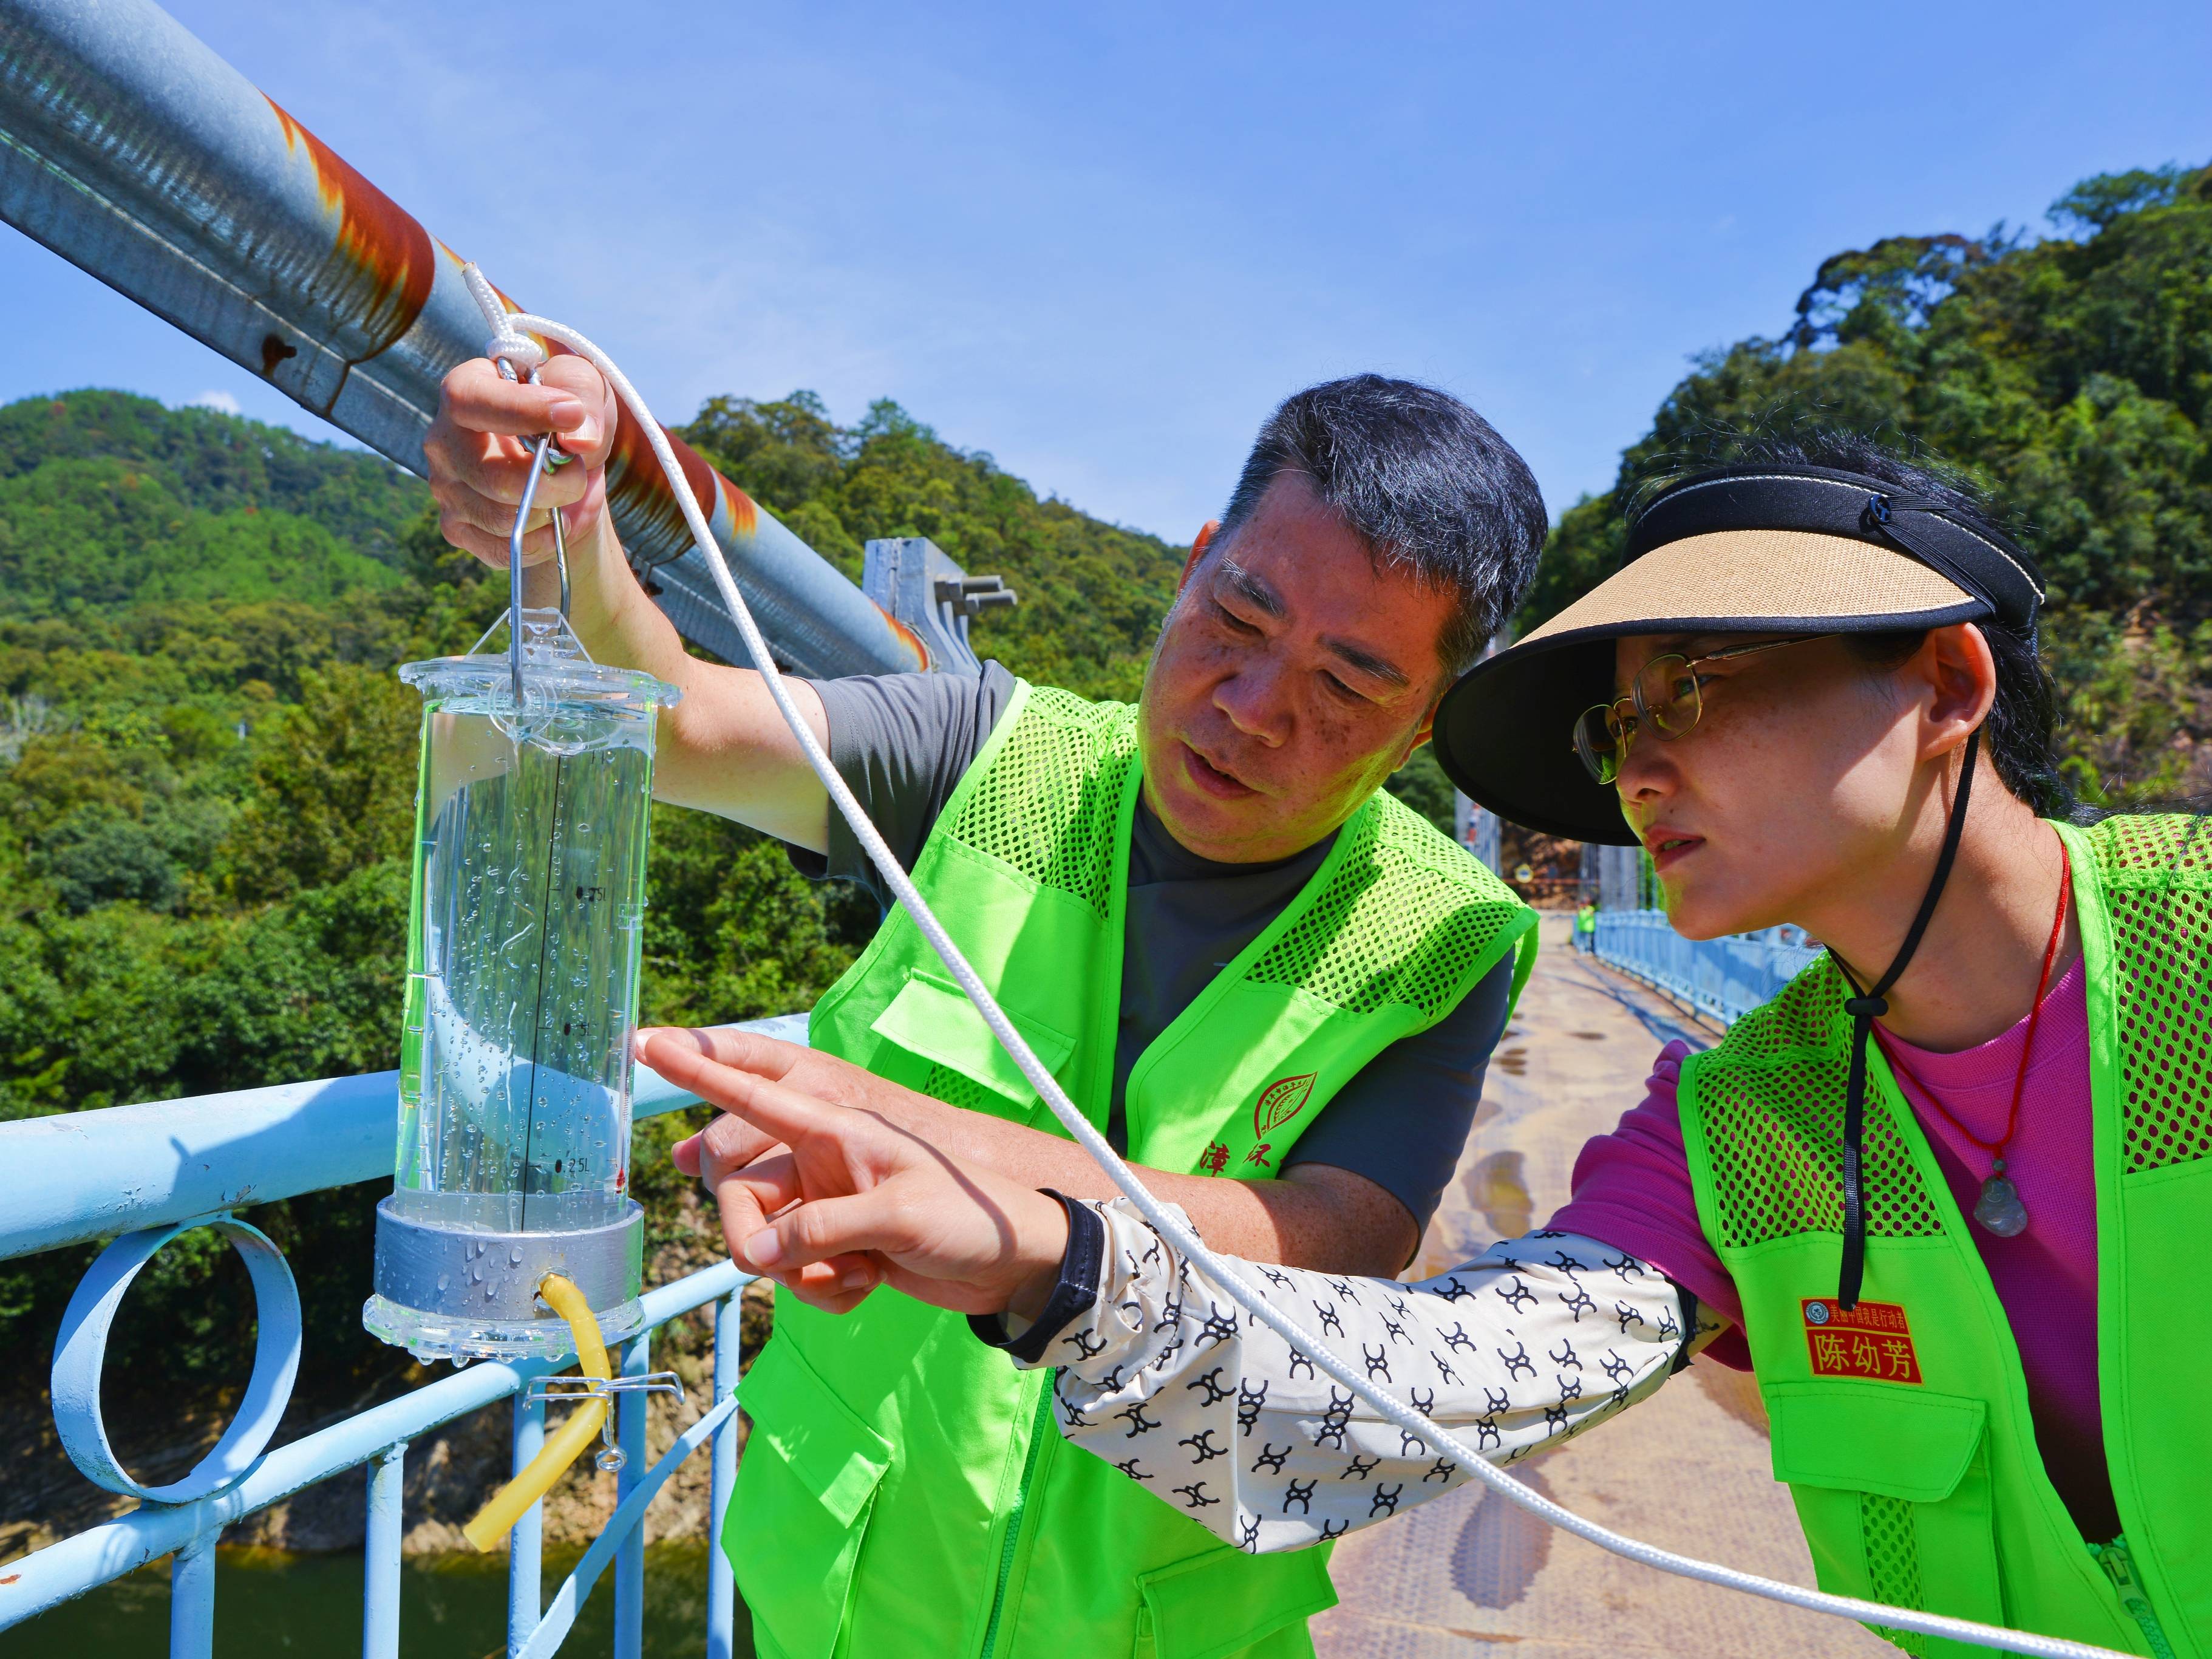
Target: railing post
{"points": [[721, 1579], [525, 1603], [191, 1600], [629, 1557], [379, 1555]]}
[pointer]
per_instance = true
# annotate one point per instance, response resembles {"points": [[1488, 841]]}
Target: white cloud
{"points": [[221, 402]]}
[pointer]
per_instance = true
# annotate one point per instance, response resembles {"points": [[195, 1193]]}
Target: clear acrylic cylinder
{"points": [[532, 825]]}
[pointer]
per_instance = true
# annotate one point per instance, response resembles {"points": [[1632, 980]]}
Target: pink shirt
{"points": [[1631, 1191]]}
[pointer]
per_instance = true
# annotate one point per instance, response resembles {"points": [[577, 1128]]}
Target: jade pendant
{"points": [[1998, 1210]]}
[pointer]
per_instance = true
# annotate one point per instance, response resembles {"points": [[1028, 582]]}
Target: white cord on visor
{"points": [[509, 327]]}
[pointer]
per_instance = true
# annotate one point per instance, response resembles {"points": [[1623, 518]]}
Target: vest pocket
{"points": [[1892, 1488], [805, 1489], [1223, 1602], [932, 1018]]}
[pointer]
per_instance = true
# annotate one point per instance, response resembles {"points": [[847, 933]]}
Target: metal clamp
{"points": [[554, 1390]]}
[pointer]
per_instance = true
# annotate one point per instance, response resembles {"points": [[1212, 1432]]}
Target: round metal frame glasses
{"points": [[1667, 695]]}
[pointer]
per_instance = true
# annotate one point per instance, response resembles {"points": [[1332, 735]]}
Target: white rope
{"points": [[1393, 1409]]}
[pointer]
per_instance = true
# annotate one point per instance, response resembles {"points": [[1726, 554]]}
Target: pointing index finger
{"points": [[744, 1051], [785, 1114]]}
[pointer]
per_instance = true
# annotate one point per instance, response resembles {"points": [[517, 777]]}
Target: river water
{"points": [[308, 1606]]}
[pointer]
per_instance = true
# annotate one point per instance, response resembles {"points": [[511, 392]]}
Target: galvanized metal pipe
{"points": [[629, 1558], [721, 1577], [89, 1559], [132, 150], [380, 1554]]}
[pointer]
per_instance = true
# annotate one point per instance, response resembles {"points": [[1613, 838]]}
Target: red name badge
{"points": [[1871, 1341]]}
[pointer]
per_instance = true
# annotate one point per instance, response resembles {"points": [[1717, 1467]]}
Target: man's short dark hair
{"points": [[1425, 481]]}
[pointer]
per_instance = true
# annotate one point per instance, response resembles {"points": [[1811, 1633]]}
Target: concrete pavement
{"points": [[1688, 1469]]}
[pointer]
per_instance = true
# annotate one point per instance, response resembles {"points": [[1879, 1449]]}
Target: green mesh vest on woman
{"points": [[1902, 1426], [905, 1491]]}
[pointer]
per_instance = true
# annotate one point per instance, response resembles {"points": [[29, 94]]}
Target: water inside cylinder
{"points": [[531, 836]]}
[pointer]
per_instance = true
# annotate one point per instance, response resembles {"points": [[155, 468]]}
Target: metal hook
{"points": [[552, 1389], [547, 457]]}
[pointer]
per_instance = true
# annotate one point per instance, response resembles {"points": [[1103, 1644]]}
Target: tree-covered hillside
{"points": [[2070, 375], [1091, 594], [207, 765]]}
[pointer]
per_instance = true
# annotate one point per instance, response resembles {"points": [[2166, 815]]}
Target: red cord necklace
{"points": [[1999, 1209]]}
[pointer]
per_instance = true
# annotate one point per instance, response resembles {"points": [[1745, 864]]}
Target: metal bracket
{"points": [[555, 1390], [917, 584], [970, 596]]}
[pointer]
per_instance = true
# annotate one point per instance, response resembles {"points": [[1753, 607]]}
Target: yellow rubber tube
{"points": [[497, 1518]]}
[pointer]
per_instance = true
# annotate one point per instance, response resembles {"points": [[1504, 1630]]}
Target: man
{"points": [[1239, 956]]}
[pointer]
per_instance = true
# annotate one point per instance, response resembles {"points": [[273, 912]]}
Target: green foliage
{"points": [[95, 532], [207, 771], [733, 931], [324, 803], [2072, 377], [1091, 593], [217, 464], [1421, 784]]}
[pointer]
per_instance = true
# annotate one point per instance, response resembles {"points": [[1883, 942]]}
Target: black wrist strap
{"points": [[1074, 1292]]}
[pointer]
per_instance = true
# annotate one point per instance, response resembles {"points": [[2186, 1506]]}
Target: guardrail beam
{"points": [[132, 150]]}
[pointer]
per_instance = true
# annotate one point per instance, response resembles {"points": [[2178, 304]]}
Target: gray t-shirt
{"points": [[902, 741]]}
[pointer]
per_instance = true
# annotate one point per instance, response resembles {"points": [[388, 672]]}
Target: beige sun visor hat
{"points": [[1750, 549]]}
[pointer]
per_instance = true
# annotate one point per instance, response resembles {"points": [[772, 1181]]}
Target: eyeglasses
{"points": [[1667, 695]]}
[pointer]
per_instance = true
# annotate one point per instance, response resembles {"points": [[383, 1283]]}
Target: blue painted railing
{"points": [[150, 1173], [1724, 979]]}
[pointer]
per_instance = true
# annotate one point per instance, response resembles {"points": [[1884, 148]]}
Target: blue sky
{"points": [[1101, 242]]}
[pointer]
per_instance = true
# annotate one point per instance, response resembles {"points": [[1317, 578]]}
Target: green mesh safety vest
{"points": [[905, 1490], [1902, 1426]]}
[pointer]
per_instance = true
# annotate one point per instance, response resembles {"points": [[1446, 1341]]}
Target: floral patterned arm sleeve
{"points": [[1530, 1344]]}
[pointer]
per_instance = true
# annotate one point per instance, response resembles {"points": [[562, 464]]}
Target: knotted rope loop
{"points": [[507, 341]]}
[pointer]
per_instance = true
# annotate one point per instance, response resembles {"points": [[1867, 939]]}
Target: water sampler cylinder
{"points": [[532, 821]]}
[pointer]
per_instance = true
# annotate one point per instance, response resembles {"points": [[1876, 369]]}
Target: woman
{"points": [[1940, 1194]]}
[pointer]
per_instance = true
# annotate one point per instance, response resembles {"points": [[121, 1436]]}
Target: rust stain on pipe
{"points": [[638, 489], [912, 640], [744, 517], [379, 274], [506, 299]]}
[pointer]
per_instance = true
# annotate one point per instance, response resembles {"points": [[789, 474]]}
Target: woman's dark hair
{"points": [[2018, 733]]}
